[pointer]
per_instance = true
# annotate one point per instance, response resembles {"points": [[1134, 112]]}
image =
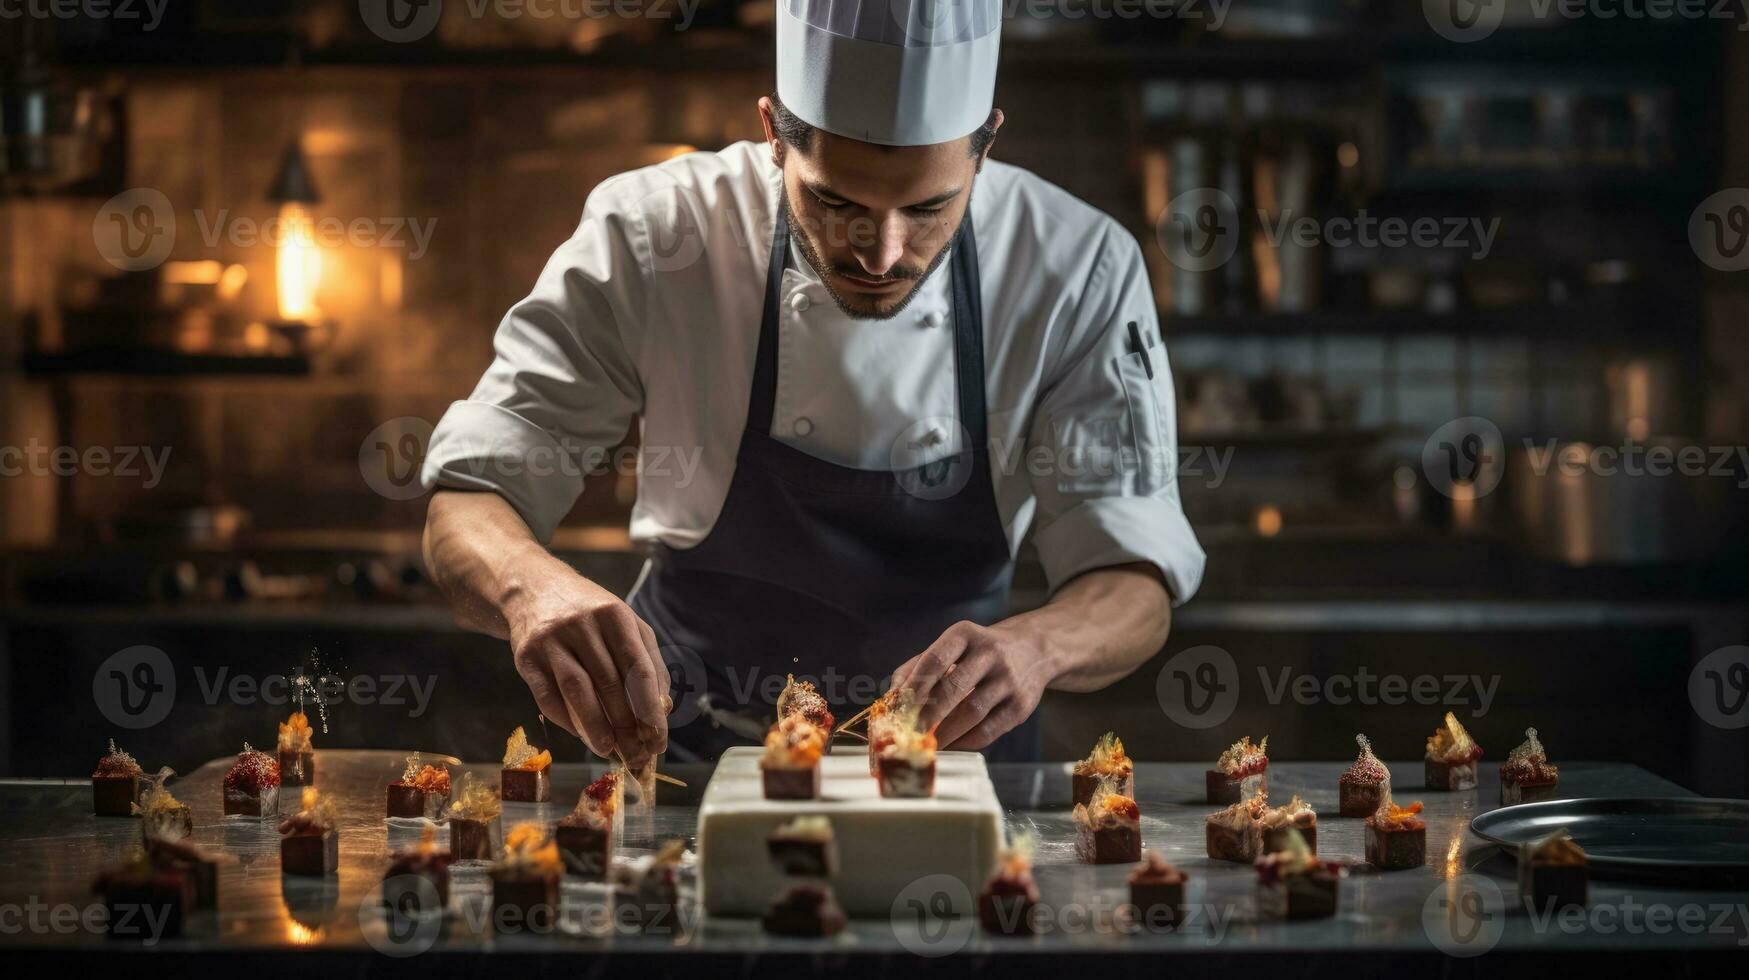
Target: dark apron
{"points": [[835, 574]]}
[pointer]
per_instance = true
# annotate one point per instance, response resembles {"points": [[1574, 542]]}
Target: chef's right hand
{"points": [[591, 663]]}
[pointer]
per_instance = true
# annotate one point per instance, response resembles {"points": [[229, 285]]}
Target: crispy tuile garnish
{"points": [[895, 699], [1242, 813], [1392, 817], [1294, 859], [117, 763], [518, 754], [476, 801], [1296, 813], [529, 849], [295, 734], [1244, 759], [1108, 806], [1451, 744], [1559, 848], [799, 697], [155, 800], [1529, 762], [793, 743], [1108, 758], [1367, 768], [316, 815], [424, 778]]}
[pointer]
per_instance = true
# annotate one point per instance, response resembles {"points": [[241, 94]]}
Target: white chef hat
{"points": [[897, 72]]}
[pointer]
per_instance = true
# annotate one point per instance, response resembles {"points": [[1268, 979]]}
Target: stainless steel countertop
{"points": [[51, 847]]}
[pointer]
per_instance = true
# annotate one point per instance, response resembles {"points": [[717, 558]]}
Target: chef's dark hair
{"points": [[792, 130]]}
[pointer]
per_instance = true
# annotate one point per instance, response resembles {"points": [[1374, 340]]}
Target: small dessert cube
{"points": [[1108, 830], [1451, 757], [805, 909], [1005, 906], [422, 791], [252, 785], [882, 715], [1396, 837], [1363, 788], [525, 881], [1107, 761], [475, 832], [1275, 823], [527, 774], [1241, 772], [201, 868], [162, 815], [653, 902], [145, 901], [296, 751], [800, 698], [1293, 884], [790, 766], [585, 836], [1156, 892], [1236, 833], [309, 842], [1527, 775], [417, 881], [116, 784], [804, 848], [907, 762], [1553, 873]]}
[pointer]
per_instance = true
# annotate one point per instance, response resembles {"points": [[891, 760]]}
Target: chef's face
{"points": [[873, 221]]}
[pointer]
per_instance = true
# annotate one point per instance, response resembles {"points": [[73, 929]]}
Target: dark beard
{"points": [[806, 247]]}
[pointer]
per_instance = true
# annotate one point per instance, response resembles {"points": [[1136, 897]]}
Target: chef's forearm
{"points": [[1101, 626], [481, 556]]}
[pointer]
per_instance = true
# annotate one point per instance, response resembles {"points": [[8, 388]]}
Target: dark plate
{"points": [[1678, 840]]}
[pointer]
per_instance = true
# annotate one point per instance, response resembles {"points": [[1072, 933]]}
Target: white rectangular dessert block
{"points": [[884, 845]]}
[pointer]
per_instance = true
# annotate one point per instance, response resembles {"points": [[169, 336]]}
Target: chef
{"points": [[864, 359]]}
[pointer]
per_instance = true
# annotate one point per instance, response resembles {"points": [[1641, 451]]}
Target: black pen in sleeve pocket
{"points": [[1141, 348]]}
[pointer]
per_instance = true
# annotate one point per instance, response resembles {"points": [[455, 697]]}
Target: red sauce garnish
{"points": [[117, 765], [254, 772], [602, 790]]}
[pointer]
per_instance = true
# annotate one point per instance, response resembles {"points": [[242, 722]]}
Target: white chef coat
{"points": [[652, 309]]}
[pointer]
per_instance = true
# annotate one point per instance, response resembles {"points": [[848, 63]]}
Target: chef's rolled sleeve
{"points": [[562, 387], [1103, 443]]}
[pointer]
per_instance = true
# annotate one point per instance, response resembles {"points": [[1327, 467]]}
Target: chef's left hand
{"points": [[978, 682]]}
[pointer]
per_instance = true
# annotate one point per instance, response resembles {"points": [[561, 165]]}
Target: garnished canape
{"points": [[1241, 771], [145, 900], [1275, 823], [1236, 833], [1396, 837], [883, 714], [907, 762], [417, 881], [1107, 761], [800, 698], [422, 791], [1451, 757], [252, 785], [653, 902], [475, 822], [1365, 785], [309, 842], [1005, 906], [1156, 892], [527, 776], [297, 751], [1293, 884], [201, 868], [1527, 774], [804, 852], [804, 847], [1553, 873], [116, 784], [585, 835], [790, 766], [525, 880], [163, 815], [1109, 829]]}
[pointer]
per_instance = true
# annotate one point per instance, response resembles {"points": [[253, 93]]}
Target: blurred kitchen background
{"points": [[1314, 373]]}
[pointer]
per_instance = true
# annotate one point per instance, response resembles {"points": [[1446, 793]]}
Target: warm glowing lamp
{"points": [[298, 265]]}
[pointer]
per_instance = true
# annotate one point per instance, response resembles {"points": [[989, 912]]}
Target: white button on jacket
{"points": [[651, 310]]}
